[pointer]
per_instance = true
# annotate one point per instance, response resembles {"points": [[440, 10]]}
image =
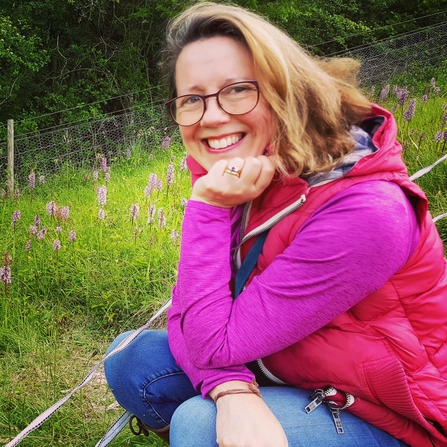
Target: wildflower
{"points": [[15, 217], [425, 99], [436, 90], [134, 211], [170, 174], [165, 143], [403, 95], [107, 177], [384, 92], [37, 220], [32, 180], [65, 213], [444, 136], [41, 180], [72, 236], [438, 136], [151, 157], [51, 208], [5, 275], [58, 229], [183, 202], [3, 194], [183, 165], [56, 245], [393, 109], [101, 194], [151, 214], [104, 164], [159, 185], [128, 153], [101, 214], [174, 236], [432, 82], [33, 230], [161, 218], [409, 113], [151, 185], [41, 234], [28, 245], [95, 175], [17, 193]]}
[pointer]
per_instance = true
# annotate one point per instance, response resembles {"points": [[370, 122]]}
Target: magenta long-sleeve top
{"points": [[345, 251]]}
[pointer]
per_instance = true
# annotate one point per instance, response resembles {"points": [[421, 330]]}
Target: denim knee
{"points": [[146, 380], [193, 424]]}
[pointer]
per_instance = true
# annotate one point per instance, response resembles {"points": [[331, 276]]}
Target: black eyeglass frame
{"points": [[212, 95]]}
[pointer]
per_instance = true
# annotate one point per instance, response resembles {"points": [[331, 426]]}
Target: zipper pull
{"points": [[335, 411], [317, 399]]}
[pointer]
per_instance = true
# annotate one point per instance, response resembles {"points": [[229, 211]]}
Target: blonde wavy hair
{"points": [[314, 102]]}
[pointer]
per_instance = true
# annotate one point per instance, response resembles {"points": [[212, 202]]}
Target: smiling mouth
{"points": [[224, 142]]}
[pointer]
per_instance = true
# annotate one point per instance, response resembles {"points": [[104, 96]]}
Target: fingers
{"points": [[235, 181]]}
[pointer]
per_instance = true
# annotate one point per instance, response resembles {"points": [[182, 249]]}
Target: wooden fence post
{"points": [[10, 180]]}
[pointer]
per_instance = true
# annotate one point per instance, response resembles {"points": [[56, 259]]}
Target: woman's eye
{"points": [[190, 100]]}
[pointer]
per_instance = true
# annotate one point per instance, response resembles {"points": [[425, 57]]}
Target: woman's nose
{"points": [[214, 114]]}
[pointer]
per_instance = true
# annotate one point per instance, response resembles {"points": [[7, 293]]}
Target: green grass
{"points": [[63, 308]]}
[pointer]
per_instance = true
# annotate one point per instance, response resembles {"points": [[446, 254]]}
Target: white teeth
{"points": [[224, 142]]}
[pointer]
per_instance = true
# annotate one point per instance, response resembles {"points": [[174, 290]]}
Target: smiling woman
{"points": [[309, 260]]}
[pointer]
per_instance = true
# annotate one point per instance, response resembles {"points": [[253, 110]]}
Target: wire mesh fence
{"points": [[401, 54], [83, 144]]}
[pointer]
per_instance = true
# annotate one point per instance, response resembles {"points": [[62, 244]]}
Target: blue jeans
{"points": [[146, 381]]}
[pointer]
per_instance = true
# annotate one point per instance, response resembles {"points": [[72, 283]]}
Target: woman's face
{"points": [[204, 67]]}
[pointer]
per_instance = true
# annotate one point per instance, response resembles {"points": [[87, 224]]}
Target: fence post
{"points": [[10, 180]]}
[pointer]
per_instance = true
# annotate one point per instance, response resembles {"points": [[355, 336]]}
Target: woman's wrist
{"points": [[234, 387]]}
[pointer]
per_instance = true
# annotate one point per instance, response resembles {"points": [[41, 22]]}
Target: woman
{"points": [[342, 290]]}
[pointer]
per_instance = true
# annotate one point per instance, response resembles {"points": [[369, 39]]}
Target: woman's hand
{"points": [[245, 420], [227, 190]]}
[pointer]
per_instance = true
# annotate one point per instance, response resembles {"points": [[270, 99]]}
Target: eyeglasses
{"points": [[238, 98]]}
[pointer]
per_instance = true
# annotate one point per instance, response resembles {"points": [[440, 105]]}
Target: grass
{"points": [[63, 308]]}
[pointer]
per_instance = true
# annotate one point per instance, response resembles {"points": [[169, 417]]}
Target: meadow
{"points": [[90, 254]]}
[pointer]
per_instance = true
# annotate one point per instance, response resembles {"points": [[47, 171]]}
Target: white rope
{"points": [[36, 423], [423, 171], [114, 430]]}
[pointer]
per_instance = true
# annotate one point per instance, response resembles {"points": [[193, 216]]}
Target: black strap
{"points": [[249, 263]]}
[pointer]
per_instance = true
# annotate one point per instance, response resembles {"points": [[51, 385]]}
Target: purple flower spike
{"points": [[32, 180], [51, 208], [15, 217], [72, 236], [165, 143], [57, 245], [5, 275], [409, 113], [41, 180], [151, 214], [28, 245], [101, 193], [170, 174], [101, 214], [134, 211], [104, 164]]}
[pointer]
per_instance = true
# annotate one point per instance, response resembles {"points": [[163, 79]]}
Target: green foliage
{"points": [[58, 55]]}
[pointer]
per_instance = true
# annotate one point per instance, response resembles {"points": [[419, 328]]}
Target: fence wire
{"points": [[84, 144]]}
